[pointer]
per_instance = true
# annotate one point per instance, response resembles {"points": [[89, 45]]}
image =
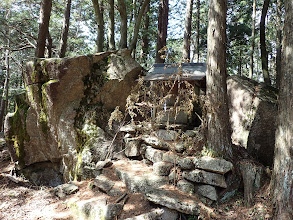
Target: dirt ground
{"points": [[23, 200]]}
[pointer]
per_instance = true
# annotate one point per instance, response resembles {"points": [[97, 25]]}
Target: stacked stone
{"points": [[204, 176]]}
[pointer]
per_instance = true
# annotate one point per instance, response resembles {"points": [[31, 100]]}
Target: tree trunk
{"points": [[197, 31], [65, 28], [252, 39], [162, 29], [282, 179], [137, 25], [49, 45], [111, 26], [219, 130], [45, 14], [279, 43], [187, 32], [145, 35], [4, 97], [123, 27], [264, 54], [99, 8]]}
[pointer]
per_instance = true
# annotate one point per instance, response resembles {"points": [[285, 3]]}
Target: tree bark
{"points": [[123, 27], [4, 98], [137, 25], [252, 40], [279, 43], [197, 31], [282, 179], [219, 130], [111, 26], [187, 32], [65, 29], [99, 8], [45, 14], [264, 53], [162, 29], [145, 35]]}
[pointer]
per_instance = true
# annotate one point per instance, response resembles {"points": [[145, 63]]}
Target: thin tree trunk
{"points": [[45, 14], [111, 26], [219, 130], [65, 29], [282, 179], [187, 31], [264, 54], [197, 31], [137, 25], [252, 40], [162, 29], [4, 99], [279, 43], [99, 8], [123, 27], [49, 45]]}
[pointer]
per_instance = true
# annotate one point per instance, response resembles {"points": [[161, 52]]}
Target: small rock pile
{"points": [[202, 176]]}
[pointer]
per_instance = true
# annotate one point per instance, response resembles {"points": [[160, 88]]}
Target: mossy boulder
{"points": [[68, 104]]}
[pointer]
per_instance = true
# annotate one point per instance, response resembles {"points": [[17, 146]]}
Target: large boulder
{"points": [[253, 110], [63, 118]]}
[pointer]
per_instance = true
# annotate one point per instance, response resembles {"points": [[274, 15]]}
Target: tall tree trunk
{"points": [[252, 40], [282, 179], [123, 27], [45, 14], [197, 31], [4, 98], [162, 29], [219, 130], [65, 29], [145, 35], [187, 31], [49, 45], [279, 42], [264, 53], [137, 25], [99, 10], [111, 26]]}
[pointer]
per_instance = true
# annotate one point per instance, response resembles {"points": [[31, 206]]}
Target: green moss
{"points": [[77, 170], [18, 134]]}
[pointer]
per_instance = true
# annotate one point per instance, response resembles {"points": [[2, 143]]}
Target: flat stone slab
{"points": [[65, 189], [172, 198], [154, 155], [162, 168], [103, 183], [186, 163], [155, 214], [138, 177], [216, 165], [201, 176], [166, 135], [132, 147], [207, 191], [155, 142]]}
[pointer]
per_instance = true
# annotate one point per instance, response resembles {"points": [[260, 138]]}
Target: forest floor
{"points": [[20, 199]]}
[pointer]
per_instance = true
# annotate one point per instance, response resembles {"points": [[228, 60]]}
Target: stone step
{"points": [[138, 177], [172, 198]]}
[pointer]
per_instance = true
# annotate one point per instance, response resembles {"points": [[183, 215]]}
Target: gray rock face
{"points": [[253, 110], [172, 200], [103, 183], [155, 142], [186, 163], [201, 176], [103, 164], [67, 107], [155, 214], [162, 168], [95, 209], [140, 178], [166, 135], [186, 186], [154, 155], [169, 214], [65, 189], [207, 191], [132, 147], [216, 165]]}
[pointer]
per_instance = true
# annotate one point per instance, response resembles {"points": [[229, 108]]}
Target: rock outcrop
{"points": [[253, 110], [63, 117]]}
